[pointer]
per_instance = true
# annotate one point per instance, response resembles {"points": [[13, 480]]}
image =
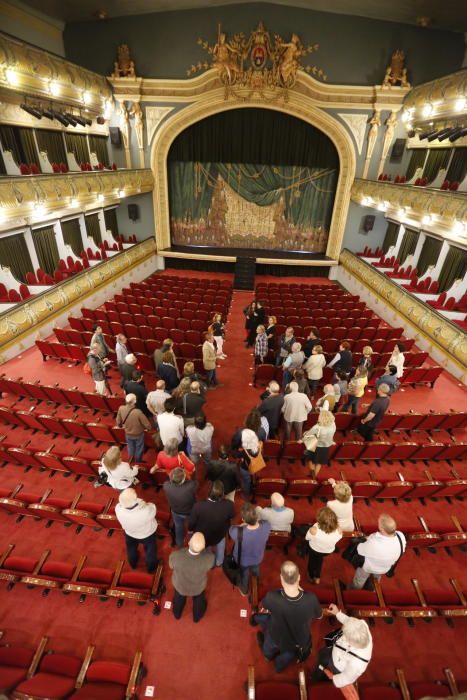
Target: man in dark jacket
{"points": [[225, 471], [212, 517], [127, 369], [181, 496], [136, 386], [193, 401], [312, 340], [271, 407]]}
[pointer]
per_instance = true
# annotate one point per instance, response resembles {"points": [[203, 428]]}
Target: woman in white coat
{"points": [[397, 359], [296, 408], [314, 368]]}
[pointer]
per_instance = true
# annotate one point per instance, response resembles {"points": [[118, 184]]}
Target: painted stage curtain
{"points": [[417, 160], [252, 178], [429, 254], [390, 238]]}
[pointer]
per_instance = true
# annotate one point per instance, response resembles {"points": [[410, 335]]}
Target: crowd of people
{"points": [[173, 414]]}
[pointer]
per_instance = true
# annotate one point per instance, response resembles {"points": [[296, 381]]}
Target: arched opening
{"points": [[252, 178]]}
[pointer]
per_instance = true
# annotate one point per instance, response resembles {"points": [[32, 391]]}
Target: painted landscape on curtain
{"points": [[239, 205]]}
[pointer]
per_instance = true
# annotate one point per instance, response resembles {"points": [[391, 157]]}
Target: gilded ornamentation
{"points": [[391, 123], [445, 92], [124, 67], [375, 123], [440, 331], [36, 70], [154, 116], [16, 323], [357, 125], [396, 73], [258, 63]]}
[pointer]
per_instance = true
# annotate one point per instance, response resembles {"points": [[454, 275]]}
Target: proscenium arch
{"points": [[296, 106]]}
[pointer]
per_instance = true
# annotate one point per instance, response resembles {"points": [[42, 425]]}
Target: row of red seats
{"points": [[304, 286], [445, 303], [105, 582], [56, 394], [210, 302], [158, 277], [11, 296], [42, 673], [145, 341], [87, 167], [134, 313], [369, 253]]}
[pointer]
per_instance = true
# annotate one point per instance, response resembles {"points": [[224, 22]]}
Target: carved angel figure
{"points": [[226, 58], [290, 52], [396, 74], [124, 67]]}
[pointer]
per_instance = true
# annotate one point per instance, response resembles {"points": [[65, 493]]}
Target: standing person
{"points": [[179, 394], [167, 346], [286, 341], [127, 369], [119, 474], [342, 504], [340, 387], [190, 576], [209, 361], [292, 362], [170, 425], [322, 538], [318, 441], [286, 624], [155, 400], [255, 537], [138, 521], [98, 366], [365, 360], [134, 423], [356, 389], [121, 350], [278, 515], [314, 366], [189, 371], [374, 413], [253, 422], [98, 339], [170, 458], [194, 401], [328, 400], [271, 332], [348, 658], [180, 493], [261, 345], [381, 551], [136, 386], [200, 439], [251, 323], [271, 407], [301, 381], [397, 359], [225, 471], [390, 379], [342, 360], [296, 408], [311, 342], [212, 517], [168, 371], [218, 330]]}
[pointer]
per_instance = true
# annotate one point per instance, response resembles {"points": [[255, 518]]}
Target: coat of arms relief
{"points": [[259, 63]]}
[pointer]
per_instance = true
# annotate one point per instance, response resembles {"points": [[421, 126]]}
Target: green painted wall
{"points": [[353, 50]]}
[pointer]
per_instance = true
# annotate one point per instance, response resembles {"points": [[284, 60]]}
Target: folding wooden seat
{"points": [[265, 486], [448, 602], [136, 345], [108, 680], [285, 690], [55, 394], [17, 663], [49, 574], [146, 331], [344, 421], [302, 488], [263, 374], [55, 678], [390, 421], [409, 603], [178, 336], [402, 451], [12, 567], [20, 455], [431, 375], [454, 451], [53, 425], [429, 451], [325, 332], [392, 488], [424, 537], [46, 349], [9, 417], [82, 513], [79, 466], [145, 363], [100, 432], [159, 333], [452, 532], [29, 420], [195, 336], [18, 501], [50, 460], [366, 488], [293, 450], [424, 689], [272, 450], [137, 585], [366, 604], [348, 451]]}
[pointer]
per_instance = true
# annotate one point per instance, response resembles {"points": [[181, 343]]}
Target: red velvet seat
{"points": [[421, 689], [14, 664], [105, 680], [305, 487], [378, 692], [55, 679]]}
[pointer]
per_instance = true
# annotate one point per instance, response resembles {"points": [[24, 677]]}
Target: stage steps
{"points": [[245, 270]]}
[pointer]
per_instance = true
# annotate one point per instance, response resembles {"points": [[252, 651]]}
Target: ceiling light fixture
{"points": [[74, 203], [121, 193], [100, 197]]}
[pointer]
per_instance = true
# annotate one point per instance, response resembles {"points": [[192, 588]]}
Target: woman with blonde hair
{"points": [[119, 474], [179, 392], [317, 441], [271, 332], [342, 505], [322, 538], [314, 368], [365, 360]]}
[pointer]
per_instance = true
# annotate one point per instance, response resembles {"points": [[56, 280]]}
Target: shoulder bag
{"points": [[331, 640], [392, 570], [256, 463], [350, 552], [230, 566], [311, 441]]}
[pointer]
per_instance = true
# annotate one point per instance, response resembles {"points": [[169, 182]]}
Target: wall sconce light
{"points": [[11, 76], [100, 197], [460, 104], [459, 228], [121, 193], [74, 203], [401, 212], [427, 110], [39, 209], [86, 97], [426, 219], [2, 215], [54, 88]]}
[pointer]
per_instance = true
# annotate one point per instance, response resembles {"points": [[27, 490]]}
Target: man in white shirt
{"points": [[381, 550], [138, 520], [278, 515], [170, 425], [155, 400]]}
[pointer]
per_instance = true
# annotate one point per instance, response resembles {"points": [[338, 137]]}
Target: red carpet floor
{"points": [[209, 660]]}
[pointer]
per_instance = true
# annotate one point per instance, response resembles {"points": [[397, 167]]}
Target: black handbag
{"points": [[331, 638], [392, 570], [230, 566], [350, 552]]}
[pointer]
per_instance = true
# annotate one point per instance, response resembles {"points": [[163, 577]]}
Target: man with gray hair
{"points": [[375, 412], [296, 408], [155, 400], [271, 407], [381, 551], [97, 366], [286, 620], [292, 362], [278, 515], [127, 368], [134, 423], [190, 576], [138, 521]]}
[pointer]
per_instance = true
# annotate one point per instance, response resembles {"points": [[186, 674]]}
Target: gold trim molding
{"points": [[25, 69], [445, 207], [442, 94], [17, 323], [298, 106], [20, 196], [433, 326]]}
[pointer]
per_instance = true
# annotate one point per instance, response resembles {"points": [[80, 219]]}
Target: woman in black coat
{"points": [[251, 323]]}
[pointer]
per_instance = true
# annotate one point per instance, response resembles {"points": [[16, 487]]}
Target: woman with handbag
{"points": [[252, 459], [170, 458], [322, 538], [347, 653], [254, 538], [317, 441], [114, 472]]}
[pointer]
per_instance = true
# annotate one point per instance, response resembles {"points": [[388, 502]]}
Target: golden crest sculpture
{"points": [[396, 73], [124, 67], [258, 63]]}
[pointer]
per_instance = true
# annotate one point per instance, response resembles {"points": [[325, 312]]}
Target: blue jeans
{"points": [[211, 377], [150, 551], [219, 549], [270, 649], [179, 525], [135, 447], [245, 478], [352, 403], [245, 573]]}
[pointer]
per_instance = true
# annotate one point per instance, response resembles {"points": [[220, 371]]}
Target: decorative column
{"points": [[137, 112], [125, 130], [375, 123], [398, 243], [441, 259], [418, 249], [391, 123], [62, 247]]}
